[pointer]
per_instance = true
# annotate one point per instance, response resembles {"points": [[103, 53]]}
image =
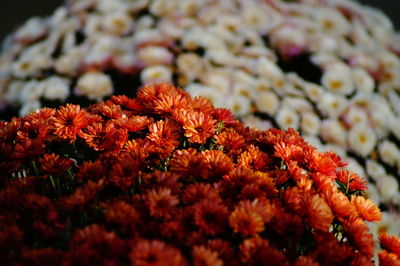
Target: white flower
{"points": [[314, 141], [29, 107], [388, 224], [32, 90], [388, 187], [118, 22], [333, 132], [361, 139], [13, 91], [374, 169], [154, 55], [298, 104], [310, 123], [267, 102], [269, 70], [287, 118], [338, 79], [56, 88], [213, 95], [218, 79], [94, 85], [157, 73], [70, 62], [389, 152], [332, 105], [355, 115], [34, 28], [373, 194], [239, 105], [254, 121], [338, 149], [190, 64], [314, 92], [354, 166], [394, 99], [395, 126]]}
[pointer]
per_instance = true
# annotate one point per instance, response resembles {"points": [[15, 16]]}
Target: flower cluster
{"points": [[329, 69], [166, 179]]}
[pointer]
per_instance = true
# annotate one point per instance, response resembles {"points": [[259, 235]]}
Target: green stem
{"points": [[35, 169], [52, 183]]}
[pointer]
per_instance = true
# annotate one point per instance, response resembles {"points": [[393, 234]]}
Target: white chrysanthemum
{"points": [[356, 115], [332, 105], [30, 91], [314, 141], [354, 166], [68, 63], [94, 85], [395, 126], [387, 186], [375, 169], [56, 88], [380, 108], [332, 131], [254, 121], [361, 139], [157, 73], [310, 123], [388, 224], [220, 80], [389, 152], [118, 22], [154, 55], [13, 91], [287, 118], [190, 64], [298, 104], [215, 96], [267, 102], [30, 65], [362, 80], [338, 149], [373, 194], [270, 71], [332, 21], [239, 104], [337, 79], [29, 107], [314, 92], [32, 29], [243, 89], [394, 99], [104, 46]]}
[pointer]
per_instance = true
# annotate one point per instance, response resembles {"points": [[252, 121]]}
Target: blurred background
{"points": [[15, 12]]}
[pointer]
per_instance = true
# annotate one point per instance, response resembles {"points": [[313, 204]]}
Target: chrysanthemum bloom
{"points": [[147, 194], [329, 69]]}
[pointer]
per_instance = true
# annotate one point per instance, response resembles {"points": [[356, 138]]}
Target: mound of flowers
{"points": [[166, 179]]}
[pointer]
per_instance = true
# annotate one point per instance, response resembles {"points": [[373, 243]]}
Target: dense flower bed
{"points": [[329, 69], [166, 179]]}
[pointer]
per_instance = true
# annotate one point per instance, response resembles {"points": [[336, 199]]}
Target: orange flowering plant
{"points": [[166, 179]]}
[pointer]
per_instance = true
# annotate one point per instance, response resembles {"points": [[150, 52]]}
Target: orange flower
{"points": [[198, 127], [126, 103], [210, 216], [133, 124], [339, 203], [353, 180], [90, 171], [124, 173], [257, 251], [225, 116], [82, 196], [223, 249], [52, 164], [255, 159], [305, 261], [105, 136], [216, 164], [318, 212], [187, 164], [68, 121], [161, 203], [230, 140], [358, 234], [203, 105], [155, 253], [388, 259], [205, 257], [164, 134], [169, 103], [200, 191], [123, 215], [247, 219], [390, 243], [366, 209], [107, 111]]}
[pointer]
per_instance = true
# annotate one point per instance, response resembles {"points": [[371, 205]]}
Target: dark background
{"points": [[15, 12]]}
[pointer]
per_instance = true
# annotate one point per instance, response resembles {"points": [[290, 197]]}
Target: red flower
{"points": [[205, 257], [52, 164], [198, 126], [210, 216], [318, 212], [390, 243], [105, 136], [358, 234], [366, 209], [164, 135], [161, 203], [353, 181]]}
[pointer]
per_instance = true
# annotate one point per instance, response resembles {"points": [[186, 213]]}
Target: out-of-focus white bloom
{"points": [[380, 108], [239, 104], [331, 21], [246, 90], [314, 92], [332, 105], [287, 118], [190, 64], [387, 186], [337, 79], [333, 132], [374, 169], [254, 121], [31, 91], [94, 85], [289, 39], [270, 71], [157, 73], [29, 107], [33, 29], [13, 91], [394, 99], [56, 88], [161, 7], [361, 139], [215, 96], [310, 123], [298, 104], [339, 150], [220, 80], [388, 224], [69, 63], [355, 115], [389, 152], [395, 126], [118, 22], [373, 194], [154, 55], [314, 141], [267, 102]]}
